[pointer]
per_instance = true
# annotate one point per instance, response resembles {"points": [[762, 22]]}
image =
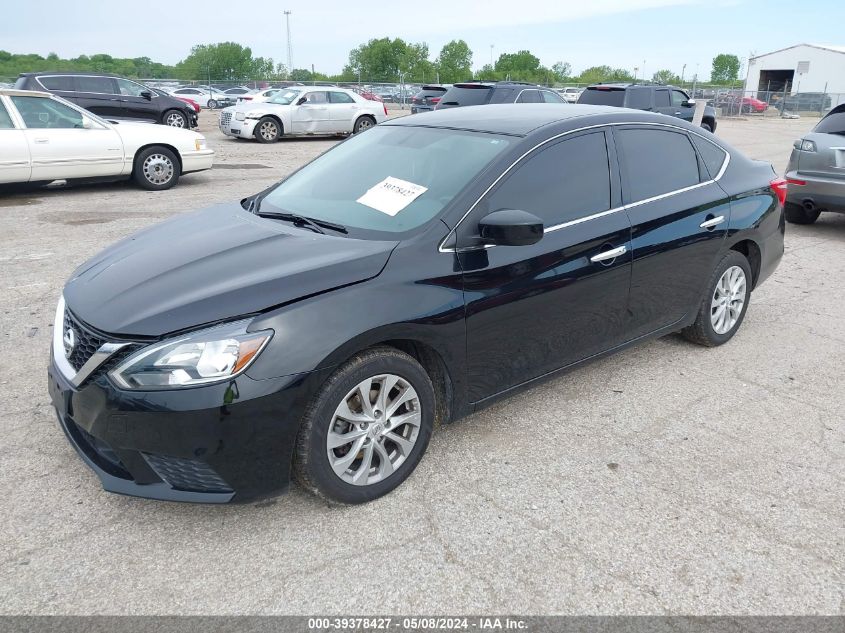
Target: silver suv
{"points": [[816, 172]]}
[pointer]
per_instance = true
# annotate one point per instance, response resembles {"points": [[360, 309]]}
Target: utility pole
{"points": [[683, 70], [290, 48], [491, 55]]}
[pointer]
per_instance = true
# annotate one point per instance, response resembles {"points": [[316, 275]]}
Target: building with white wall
{"points": [[799, 68]]}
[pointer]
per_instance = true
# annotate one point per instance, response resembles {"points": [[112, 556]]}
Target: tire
{"points": [[363, 123], [268, 130], [212, 104], [371, 434], [796, 214], [707, 126], [174, 118], [156, 168], [707, 329]]}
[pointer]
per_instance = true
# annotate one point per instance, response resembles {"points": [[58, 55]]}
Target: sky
{"points": [[646, 34]]}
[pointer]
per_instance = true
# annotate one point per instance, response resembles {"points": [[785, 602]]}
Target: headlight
{"points": [[240, 116], [213, 355], [199, 144]]}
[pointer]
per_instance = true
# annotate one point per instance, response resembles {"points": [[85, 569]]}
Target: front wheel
{"points": [[362, 124], [156, 169], [367, 428], [723, 308], [268, 130], [212, 104], [174, 118]]}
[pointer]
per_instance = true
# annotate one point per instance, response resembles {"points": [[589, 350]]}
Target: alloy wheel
{"points": [[174, 119], [364, 124], [373, 430], [158, 169], [268, 130], [728, 300]]}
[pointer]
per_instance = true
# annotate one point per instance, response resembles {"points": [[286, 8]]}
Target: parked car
{"points": [[654, 98], [807, 102], [211, 99], [111, 97], [570, 95], [259, 96], [733, 103], [486, 92], [405, 278], [816, 170], [237, 91], [45, 138], [302, 111], [427, 98], [367, 94], [190, 102]]}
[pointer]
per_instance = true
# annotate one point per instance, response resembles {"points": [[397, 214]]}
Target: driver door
{"points": [[312, 116], [61, 147]]}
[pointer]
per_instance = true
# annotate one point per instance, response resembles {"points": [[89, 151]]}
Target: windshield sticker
{"points": [[391, 195]]}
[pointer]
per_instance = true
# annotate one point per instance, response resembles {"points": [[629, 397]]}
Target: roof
{"points": [[826, 47], [13, 92], [516, 119]]}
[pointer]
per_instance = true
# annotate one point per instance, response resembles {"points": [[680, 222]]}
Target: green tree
{"points": [[454, 63], [562, 71], [725, 69], [665, 77], [383, 59], [517, 63], [603, 74], [223, 61]]}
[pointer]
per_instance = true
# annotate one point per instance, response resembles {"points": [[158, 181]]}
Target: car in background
{"points": [[211, 99], [652, 98], [327, 326], [306, 110], [237, 91], [806, 102], [190, 102], [427, 98], [815, 174], [366, 93], [258, 96], [486, 92], [570, 95], [111, 97], [737, 103], [44, 138]]}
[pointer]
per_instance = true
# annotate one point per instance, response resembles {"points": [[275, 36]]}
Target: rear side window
{"points": [[340, 97], [603, 96], [833, 123], [551, 97], [529, 96], [564, 182], [57, 83], [657, 162], [100, 85], [639, 98], [661, 98], [466, 96], [712, 155], [5, 119]]}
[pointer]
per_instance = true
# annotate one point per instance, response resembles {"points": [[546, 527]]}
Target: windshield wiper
{"points": [[301, 220]]}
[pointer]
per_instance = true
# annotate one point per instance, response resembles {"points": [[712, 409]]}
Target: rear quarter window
{"points": [[712, 155], [602, 96]]}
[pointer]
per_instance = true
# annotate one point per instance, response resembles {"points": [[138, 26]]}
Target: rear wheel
{"points": [[707, 126], [796, 214], [174, 118], [367, 428], [156, 168], [723, 308], [212, 104], [362, 124], [268, 130]]}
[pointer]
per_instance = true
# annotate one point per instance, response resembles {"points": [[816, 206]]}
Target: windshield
{"points": [[284, 97], [389, 179]]}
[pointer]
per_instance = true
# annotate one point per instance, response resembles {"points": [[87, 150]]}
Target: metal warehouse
{"points": [[801, 68]]}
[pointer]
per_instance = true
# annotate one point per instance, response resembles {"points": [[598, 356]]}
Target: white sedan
{"points": [[210, 99], [45, 138], [258, 96], [302, 110]]}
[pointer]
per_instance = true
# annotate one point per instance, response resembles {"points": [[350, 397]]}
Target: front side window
{"points": [[315, 97], [340, 97], [98, 85], [679, 98], [441, 161], [561, 183], [57, 83], [657, 162], [130, 88], [5, 119], [40, 112]]}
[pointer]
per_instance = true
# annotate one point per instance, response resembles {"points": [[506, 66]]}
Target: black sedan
{"points": [[412, 275]]}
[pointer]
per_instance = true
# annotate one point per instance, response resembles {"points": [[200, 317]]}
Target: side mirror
{"points": [[301, 100], [511, 227], [147, 95], [689, 103]]}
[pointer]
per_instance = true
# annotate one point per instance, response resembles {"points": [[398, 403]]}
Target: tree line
{"points": [[378, 60]]}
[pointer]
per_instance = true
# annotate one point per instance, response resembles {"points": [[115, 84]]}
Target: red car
{"points": [[367, 94], [743, 104], [191, 103]]}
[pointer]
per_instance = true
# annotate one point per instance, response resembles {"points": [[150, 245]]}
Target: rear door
{"points": [[343, 110], [14, 153], [680, 217], [144, 108], [533, 309], [100, 96]]}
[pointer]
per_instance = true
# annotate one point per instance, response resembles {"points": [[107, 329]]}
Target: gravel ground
{"points": [[666, 479]]}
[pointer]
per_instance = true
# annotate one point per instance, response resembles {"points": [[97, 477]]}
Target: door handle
{"points": [[712, 222], [42, 141], [613, 253]]}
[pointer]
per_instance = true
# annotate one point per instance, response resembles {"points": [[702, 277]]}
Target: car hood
{"points": [[212, 265], [136, 133]]}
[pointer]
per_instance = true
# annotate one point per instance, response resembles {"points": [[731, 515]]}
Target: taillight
{"points": [[435, 99], [384, 105], [778, 185], [795, 181]]}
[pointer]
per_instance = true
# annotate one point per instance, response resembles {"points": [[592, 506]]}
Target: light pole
{"points": [[491, 55], [683, 70], [290, 48]]}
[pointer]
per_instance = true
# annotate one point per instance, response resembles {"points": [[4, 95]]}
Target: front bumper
{"points": [[827, 194], [212, 444], [197, 161], [238, 129]]}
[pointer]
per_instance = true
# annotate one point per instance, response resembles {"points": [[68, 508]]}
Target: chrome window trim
{"points": [[556, 227]]}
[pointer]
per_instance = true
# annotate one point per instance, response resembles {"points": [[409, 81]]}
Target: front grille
{"points": [[186, 474], [225, 118], [87, 342]]}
